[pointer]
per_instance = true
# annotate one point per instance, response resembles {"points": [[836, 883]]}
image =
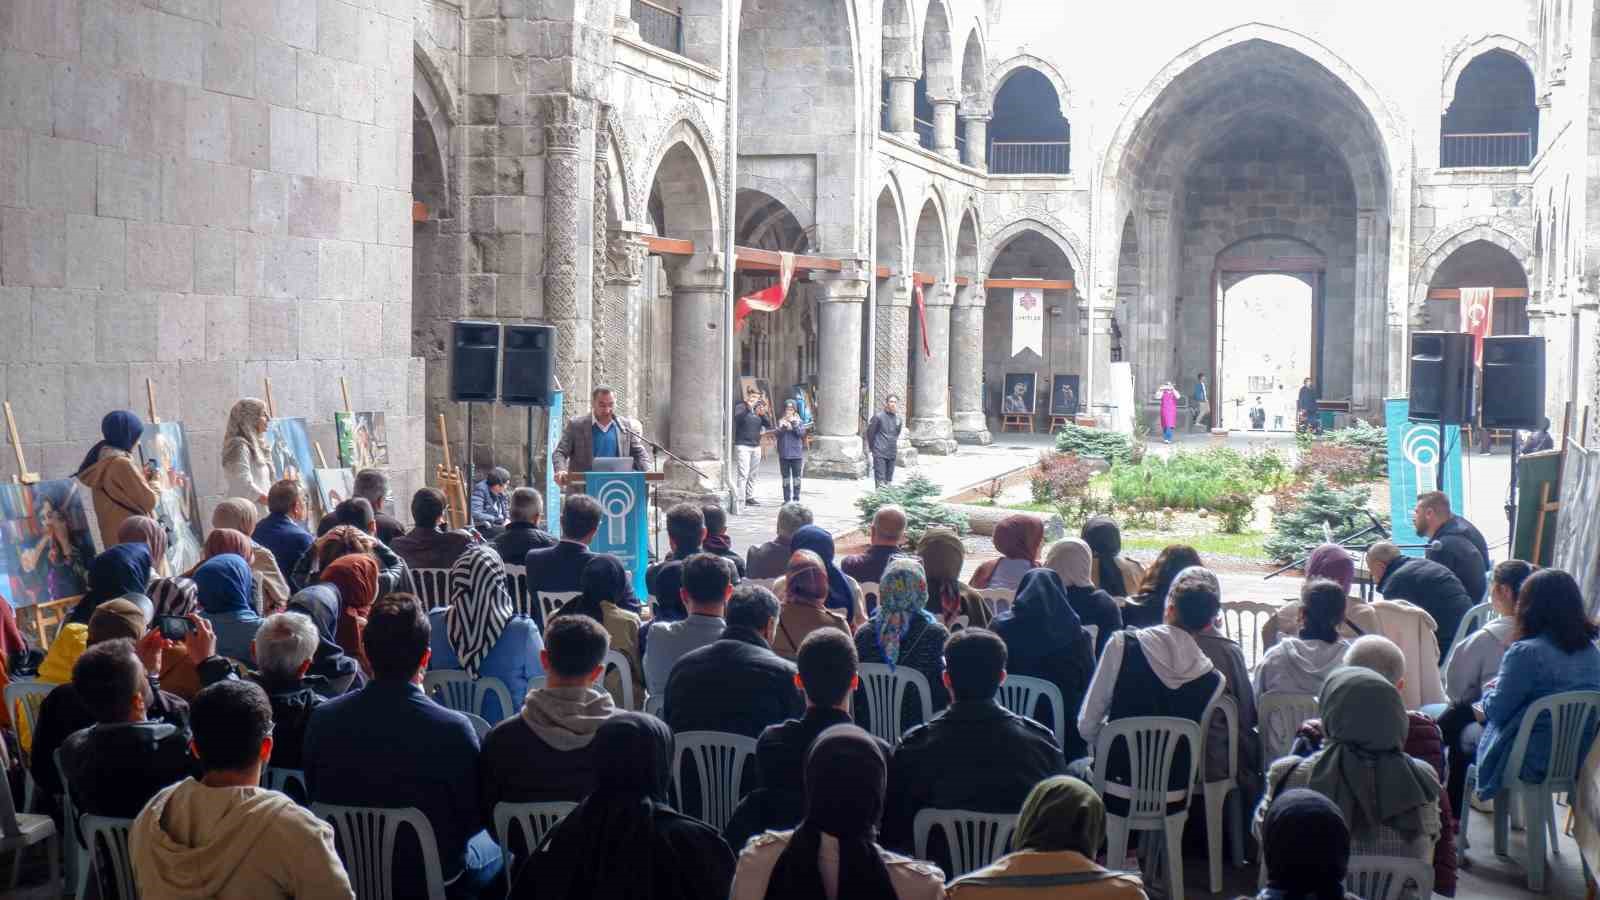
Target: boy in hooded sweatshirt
{"points": [[1299, 665], [222, 836]]}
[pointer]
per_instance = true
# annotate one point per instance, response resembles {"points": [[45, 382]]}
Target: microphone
{"points": [[1376, 523]]}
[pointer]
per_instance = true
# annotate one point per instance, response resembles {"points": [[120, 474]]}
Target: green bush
{"points": [[1211, 479], [919, 497], [1063, 481], [1298, 523], [1371, 440], [1109, 445]]}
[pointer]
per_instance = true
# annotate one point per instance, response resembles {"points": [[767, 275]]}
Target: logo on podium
{"points": [[624, 521], [1416, 465]]}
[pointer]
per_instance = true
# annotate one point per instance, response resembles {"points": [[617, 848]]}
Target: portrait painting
{"points": [[289, 452], [165, 450], [1064, 395], [1018, 397], [46, 543], [334, 486], [363, 439]]}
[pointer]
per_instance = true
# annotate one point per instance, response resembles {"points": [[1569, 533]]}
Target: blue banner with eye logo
{"points": [[553, 426], [624, 521], [1416, 462]]}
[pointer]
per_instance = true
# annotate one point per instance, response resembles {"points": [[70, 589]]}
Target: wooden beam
{"points": [[883, 272], [419, 211], [963, 280], [1043, 284], [1455, 293], [751, 258], [665, 246]]}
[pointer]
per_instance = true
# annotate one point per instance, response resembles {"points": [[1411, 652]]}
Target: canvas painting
{"points": [[1064, 395], [334, 486], [165, 450], [1577, 547], [1019, 394], [289, 451], [46, 543], [363, 439]]}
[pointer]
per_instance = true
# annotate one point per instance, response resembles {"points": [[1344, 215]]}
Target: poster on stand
{"points": [[1415, 467], [1027, 320]]}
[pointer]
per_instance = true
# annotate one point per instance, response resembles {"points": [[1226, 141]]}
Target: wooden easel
{"points": [[23, 476], [1058, 422], [1016, 422], [150, 400], [272, 412], [452, 483], [1546, 506]]}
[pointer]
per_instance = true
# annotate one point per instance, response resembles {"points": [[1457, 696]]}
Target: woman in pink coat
{"points": [[1169, 410]]}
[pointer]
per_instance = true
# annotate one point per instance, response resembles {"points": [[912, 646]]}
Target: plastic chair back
{"points": [[1242, 621], [885, 690], [517, 584], [1093, 631], [366, 836], [113, 865], [869, 596], [975, 839], [22, 702], [459, 691], [550, 603], [1151, 743], [1388, 877], [432, 587], [1021, 694], [719, 762], [653, 704], [1572, 714], [530, 820], [615, 660], [282, 780], [999, 598], [1471, 621], [1280, 716]]}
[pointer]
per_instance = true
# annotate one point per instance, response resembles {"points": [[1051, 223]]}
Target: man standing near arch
{"points": [[600, 434]]}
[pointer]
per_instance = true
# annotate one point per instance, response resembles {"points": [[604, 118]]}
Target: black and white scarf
{"points": [[480, 606]]}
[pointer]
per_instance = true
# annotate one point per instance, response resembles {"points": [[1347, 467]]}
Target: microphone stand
{"points": [[662, 449]]}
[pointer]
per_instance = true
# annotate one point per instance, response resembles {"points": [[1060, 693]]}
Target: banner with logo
{"points": [[624, 520], [1027, 320], [553, 427], [1414, 467]]}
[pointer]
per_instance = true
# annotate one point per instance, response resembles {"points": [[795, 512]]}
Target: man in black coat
{"points": [[686, 533], [557, 569], [883, 439], [523, 534], [1457, 544], [1423, 583], [736, 684], [954, 761]]}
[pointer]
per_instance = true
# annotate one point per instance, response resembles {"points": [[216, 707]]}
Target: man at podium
{"points": [[600, 435]]}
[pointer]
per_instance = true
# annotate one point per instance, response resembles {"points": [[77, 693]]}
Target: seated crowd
{"points": [[176, 692]]}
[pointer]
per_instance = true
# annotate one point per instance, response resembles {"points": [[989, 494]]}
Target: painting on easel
{"points": [[289, 450], [165, 448], [46, 543], [363, 439], [334, 486]]}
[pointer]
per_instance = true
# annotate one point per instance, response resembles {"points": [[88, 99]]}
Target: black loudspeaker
{"points": [[474, 361], [1441, 377], [1513, 381], [528, 375]]}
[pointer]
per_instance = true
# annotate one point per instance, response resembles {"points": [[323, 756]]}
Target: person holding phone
{"points": [[120, 486], [791, 450]]}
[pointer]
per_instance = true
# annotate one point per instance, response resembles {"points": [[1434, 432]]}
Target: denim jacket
{"points": [[1530, 671]]}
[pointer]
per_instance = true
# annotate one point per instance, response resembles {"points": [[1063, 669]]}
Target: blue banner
{"points": [[1414, 467], [624, 520], [552, 436]]}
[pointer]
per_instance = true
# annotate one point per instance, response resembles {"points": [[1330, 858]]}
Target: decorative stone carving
{"points": [[567, 306]]}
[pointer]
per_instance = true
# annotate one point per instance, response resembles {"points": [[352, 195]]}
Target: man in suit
{"points": [[597, 435], [557, 569]]}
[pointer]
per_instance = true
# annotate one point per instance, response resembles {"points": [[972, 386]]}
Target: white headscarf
{"points": [[1072, 560]]}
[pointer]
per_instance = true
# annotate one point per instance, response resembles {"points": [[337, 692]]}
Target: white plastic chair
{"points": [[615, 659], [77, 854], [999, 598], [19, 831], [532, 820], [550, 603], [479, 724], [1021, 695], [869, 596], [975, 839], [1151, 743], [1570, 714], [517, 584], [112, 864], [653, 704], [719, 761], [1242, 621], [279, 779], [1388, 877], [1279, 717], [1093, 631], [432, 587], [454, 689], [885, 690], [22, 702], [1471, 621], [366, 838], [1216, 792]]}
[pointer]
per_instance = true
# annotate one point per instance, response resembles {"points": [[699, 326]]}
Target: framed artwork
{"points": [[46, 543], [1019, 398], [289, 452], [1064, 395], [748, 383], [1577, 522], [165, 448], [334, 486], [363, 439]]}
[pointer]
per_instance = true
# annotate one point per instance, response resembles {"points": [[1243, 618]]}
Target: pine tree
{"points": [[1298, 528]]}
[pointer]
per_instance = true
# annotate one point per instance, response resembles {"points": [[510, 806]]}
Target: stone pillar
{"points": [[1098, 364], [893, 338], [977, 130], [1368, 343], [622, 20], [931, 431], [568, 300], [902, 106], [944, 128], [697, 413], [966, 366], [836, 450], [624, 271]]}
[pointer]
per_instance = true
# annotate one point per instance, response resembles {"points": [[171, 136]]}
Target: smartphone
{"points": [[173, 628]]}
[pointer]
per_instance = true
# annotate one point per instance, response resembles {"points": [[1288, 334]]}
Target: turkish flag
{"points": [[922, 320], [1477, 317], [768, 299]]}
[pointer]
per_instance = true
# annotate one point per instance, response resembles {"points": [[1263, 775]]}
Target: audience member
{"points": [[1228, 658], [1018, 538], [887, 533], [559, 569], [354, 538], [1044, 639], [176, 598], [430, 544], [607, 595], [705, 592], [716, 541], [429, 757], [805, 592], [223, 583], [523, 533], [356, 578], [955, 761], [489, 504], [1113, 573], [270, 590], [147, 531], [332, 671], [956, 604], [1058, 836], [372, 488], [624, 839], [285, 647], [1306, 846], [834, 852], [122, 569], [1335, 563], [686, 531], [221, 835], [735, 684], [844, 593], [1148, 606], [1424, 583], [1298, 665], [1453, 542], [118, 485], [282, 531], [769, 560], [480, 632], [902, 632], [1469, 670], [1073, 562], [667, 605]]}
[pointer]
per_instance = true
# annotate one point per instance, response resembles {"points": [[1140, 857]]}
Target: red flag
{"points": [[768, 299], [1477, 317], [922, 320]]}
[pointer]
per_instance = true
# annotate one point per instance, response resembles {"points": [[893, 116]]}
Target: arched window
{"points": [[1492, 119], [1028, 134]]}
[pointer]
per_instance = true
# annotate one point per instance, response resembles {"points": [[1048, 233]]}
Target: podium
{"points": [[624, 531]]}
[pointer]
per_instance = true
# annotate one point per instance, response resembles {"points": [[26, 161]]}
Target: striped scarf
{"points": [[480, 606]]}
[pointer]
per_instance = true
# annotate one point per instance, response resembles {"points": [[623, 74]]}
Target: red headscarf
{"points": [[356, 577], [1016, 537]]}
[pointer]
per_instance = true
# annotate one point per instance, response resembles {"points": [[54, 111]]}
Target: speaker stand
{"points": [[1511, 495], [472, 478]]}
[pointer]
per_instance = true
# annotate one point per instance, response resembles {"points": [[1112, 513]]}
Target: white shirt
{"points": [[912, 879]]}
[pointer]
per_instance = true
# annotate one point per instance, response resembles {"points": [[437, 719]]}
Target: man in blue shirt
{"points": [[602, 433], [281, 531], [389, 745]]}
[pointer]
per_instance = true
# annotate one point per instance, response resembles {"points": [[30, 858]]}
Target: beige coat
{"points": [[120, 491], [796, 620], [623, 627], [1415, 632], [987, 883]]}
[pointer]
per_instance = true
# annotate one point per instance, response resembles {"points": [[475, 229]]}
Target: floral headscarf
{"points": [[902, 597]]}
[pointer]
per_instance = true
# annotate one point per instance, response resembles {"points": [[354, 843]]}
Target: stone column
{"points": [[1368, 340], [931, 431], [697, 414], [893, 338], [568, 302], [624, 271], [622, 19], [902, 105], [944, 127], [836, 451], [1098, 365], [977, 130], [966, 366]]}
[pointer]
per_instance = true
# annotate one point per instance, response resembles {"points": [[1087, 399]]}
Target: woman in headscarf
{"points": [[176, 597], [1334, 563], [119, 486], [955, 605], [606, 588], [1059, 833], [272, 590], [480, 632], [343, 540], [1306, 845], [1299, 664], [1018, 538], [332, 672], [147, 531], [356, 577], [668, 605], [122, 569], [902, 632], [246, 465], [1044, 639], [624, 840], [805, 591], [1073, 561], [224, 584], [1147, 608], [1113, 573], [1390, 800], [834, 853], [844, 594]]}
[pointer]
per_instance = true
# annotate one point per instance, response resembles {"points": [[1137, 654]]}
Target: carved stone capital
{"points": [[566, 118], [625, 254]]}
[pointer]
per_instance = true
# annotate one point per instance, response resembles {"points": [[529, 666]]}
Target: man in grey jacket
{"points": [[883, 435]]}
